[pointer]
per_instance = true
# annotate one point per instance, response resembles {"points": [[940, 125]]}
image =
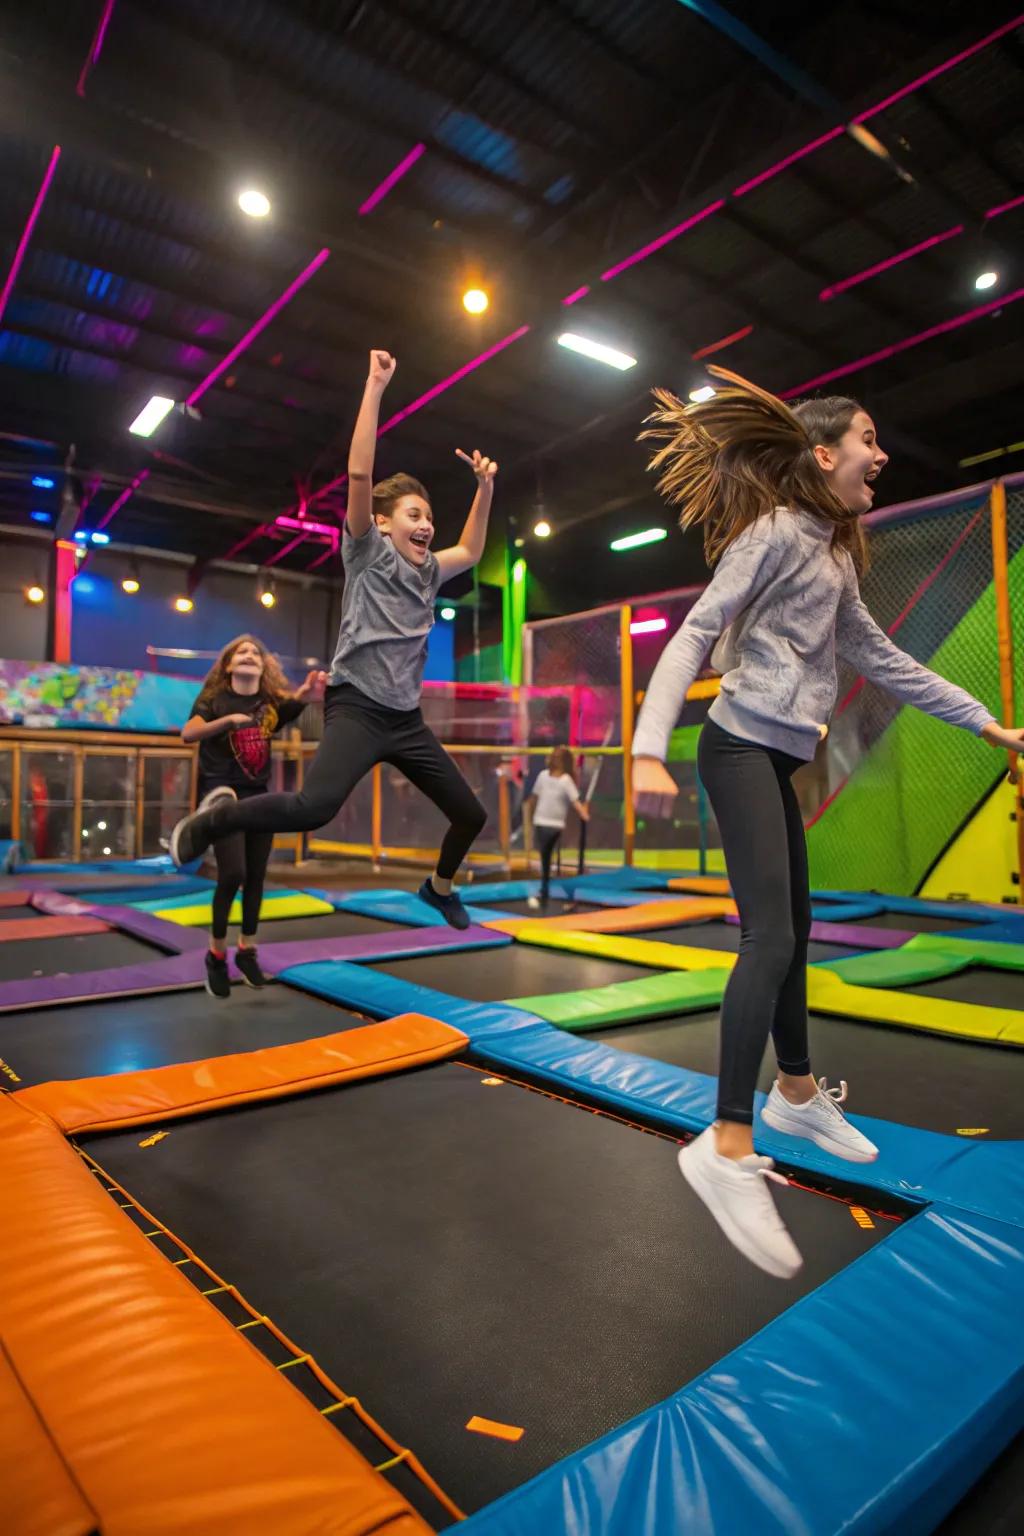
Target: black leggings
{"points": [[242, 861], [766, 858], [547, 841], [358, 733]]}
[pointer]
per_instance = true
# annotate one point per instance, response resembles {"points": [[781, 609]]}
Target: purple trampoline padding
{"points": [[170, 973], [141, 925], [852, 934], [275, 958]]}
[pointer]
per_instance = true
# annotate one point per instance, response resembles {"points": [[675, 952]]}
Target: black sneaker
{"points": [[194, 833], [218, 982], [450, 907], [248, 966]]}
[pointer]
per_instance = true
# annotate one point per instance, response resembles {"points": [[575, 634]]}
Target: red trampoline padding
{"points": [[39, 1494], [646, 914], [15, 898], [167, 1419], [196, 1087], [49, 927]]}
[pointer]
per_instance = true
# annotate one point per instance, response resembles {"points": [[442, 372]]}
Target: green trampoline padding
{"points": [[632, 1002], [925, 957]]}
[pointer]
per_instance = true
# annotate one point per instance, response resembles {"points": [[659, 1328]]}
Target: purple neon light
{"points": [[116, 506], [304, 523], [92, 57], [669, 235], [940, 69], [261, 325], [460, 373], [30, 224], [381, 192], [576, 295], [781, 165], [1014, 202], [890, 261], [906, 344]]}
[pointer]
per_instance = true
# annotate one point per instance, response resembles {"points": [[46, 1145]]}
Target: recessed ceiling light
{"points": [[256, 204]]}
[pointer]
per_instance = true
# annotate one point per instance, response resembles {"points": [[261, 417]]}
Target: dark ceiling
{"points": [[561, 137]]}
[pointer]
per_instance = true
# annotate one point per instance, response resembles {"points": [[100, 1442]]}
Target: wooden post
{"points": [[375, 817], [626, 684], [504, 821]]}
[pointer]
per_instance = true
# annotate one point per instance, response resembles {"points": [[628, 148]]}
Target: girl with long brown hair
{"points": [[778, 493], [243, 702], [554, 792]]}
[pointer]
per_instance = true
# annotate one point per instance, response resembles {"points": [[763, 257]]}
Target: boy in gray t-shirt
{"points": [[371, 708]]}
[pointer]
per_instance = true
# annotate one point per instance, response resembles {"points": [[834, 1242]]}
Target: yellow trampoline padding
{"points": [[621, 946], [200, 915], [828, 993]]}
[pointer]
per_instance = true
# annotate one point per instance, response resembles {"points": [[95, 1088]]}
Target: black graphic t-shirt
{"points": [[241, 757]]}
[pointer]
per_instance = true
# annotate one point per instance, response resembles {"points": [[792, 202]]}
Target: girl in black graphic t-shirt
{"points": [[244, 700]]}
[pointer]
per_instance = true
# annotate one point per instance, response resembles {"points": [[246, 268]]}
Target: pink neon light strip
{"points": [[940, 69], [306, 526], [1014, 202], [254, 533], [116, 506], [381, 192], [726, 341], [286, 549], [261, 325], [906, 344], [890, 261], [92, 57], [30, 224], [576, 295], [321, 558], [781, 165], [325, 490], [460, 373], [656, 245]]}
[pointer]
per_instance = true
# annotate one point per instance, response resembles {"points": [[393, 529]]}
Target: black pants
{"points": [[766, 857], [546, 839], [358, 733], [242, 860]]}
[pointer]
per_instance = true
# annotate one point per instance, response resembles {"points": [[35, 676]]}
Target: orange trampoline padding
{"points": [[15, 898], [196, 1087], [39, 1494], [167, 1419], [646, 914], [50, 927], [700, 885]]}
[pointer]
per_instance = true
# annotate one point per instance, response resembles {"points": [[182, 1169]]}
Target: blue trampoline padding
{"points": [[10, 855], [159, 865], [406, 907], [626, 878], [917, 1165], [894, 1446], [594, 896], [846, 911], [509, 890], [960, 911], [166, 894]]}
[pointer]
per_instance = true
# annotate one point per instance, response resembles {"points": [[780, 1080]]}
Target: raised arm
{"points": [[364, 443], [469, 550]]}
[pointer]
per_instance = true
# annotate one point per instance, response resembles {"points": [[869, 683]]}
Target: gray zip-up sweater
{"points": [[782, 606]]}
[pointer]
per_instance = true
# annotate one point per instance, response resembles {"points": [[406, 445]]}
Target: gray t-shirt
{"points": [[780, 609], [387, 612]]}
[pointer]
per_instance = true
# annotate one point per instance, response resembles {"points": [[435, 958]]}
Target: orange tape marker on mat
{"points": [[491, 1427], [978, 1130], [151, 1141], [9, 1071], [861, 1217]]}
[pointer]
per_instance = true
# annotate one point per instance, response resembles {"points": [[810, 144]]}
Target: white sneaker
{"points": [[533, 902], [735, 1192], [821, 1120]]}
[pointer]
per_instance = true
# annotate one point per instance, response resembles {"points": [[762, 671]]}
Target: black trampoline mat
{"points": [[917, 922], [19, 914], [985, 985], [552, 908], [445, 1249], [516, 970], [995, 1505], [327, 925], [132, 1034], [722, 935], [72, 954], [894, 1074]]}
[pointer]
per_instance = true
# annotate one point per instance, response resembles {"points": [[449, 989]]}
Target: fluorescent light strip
{"points": [[30, 224], [669, 235], [439, 389], [636, 540], [261, 325], [993, 453], [940, 69], [380, 193], [647, 626], [905, 345], [129, 490], [151, 415], [726, 341], [92, 57], [782, 165], [597, 351], [890, 261]]}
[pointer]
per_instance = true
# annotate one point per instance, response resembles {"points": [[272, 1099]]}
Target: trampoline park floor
{"points": [[726, 936], [72, 954], [447, 1245]]}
